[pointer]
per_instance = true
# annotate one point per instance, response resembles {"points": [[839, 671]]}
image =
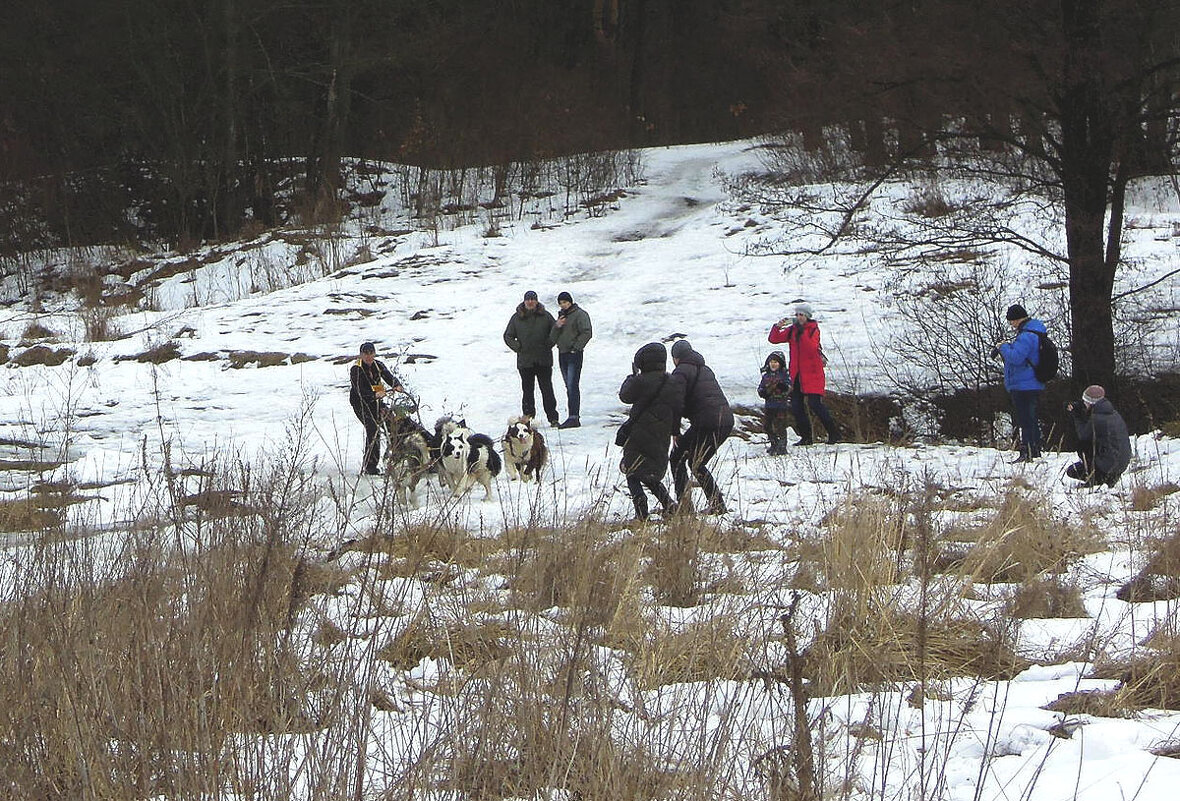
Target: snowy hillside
{"points": [[254, 371]]}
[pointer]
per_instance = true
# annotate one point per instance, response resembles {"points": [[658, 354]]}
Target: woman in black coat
{"points": [[656, 403]]}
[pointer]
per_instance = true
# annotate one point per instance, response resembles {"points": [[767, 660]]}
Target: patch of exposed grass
{"points": [[701, 652], [1099, 703], [1144, 499], [855, 652], [1159, 579], [462, 646], [27, 515], [1046, 597], [1020, 541]]}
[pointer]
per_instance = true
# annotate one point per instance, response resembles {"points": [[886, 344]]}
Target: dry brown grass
{"points": [[580, 569], [700, 652], [461, 645], [1045, 597], [1100, 703], [1144, 499], [27, 514], [1159, 579], [1020, 542], [856, 652]]}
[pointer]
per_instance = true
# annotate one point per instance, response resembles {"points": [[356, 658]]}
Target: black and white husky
{"points": [[467, 457]]}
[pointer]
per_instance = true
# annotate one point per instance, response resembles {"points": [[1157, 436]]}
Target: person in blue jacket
{"points": [[1020, 357]]}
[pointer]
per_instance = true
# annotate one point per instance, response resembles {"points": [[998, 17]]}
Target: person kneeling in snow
{"points": [[1104, 446]]}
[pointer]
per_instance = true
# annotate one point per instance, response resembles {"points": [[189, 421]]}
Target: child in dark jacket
{"points": [[775, 389]]}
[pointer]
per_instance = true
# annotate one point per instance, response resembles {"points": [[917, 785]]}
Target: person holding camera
{"points": [[656, 402], [571, 332], [1104, 445], [806, 368], [1021, 356]]}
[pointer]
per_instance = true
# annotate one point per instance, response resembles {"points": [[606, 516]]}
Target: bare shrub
{"points": [[928, 200]]}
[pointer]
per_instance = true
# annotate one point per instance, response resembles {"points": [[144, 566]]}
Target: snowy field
{"points": [[670, 257]]}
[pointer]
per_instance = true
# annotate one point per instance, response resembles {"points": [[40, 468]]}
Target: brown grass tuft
{"points": [[1046, 596], [701, 652], [887, 646], [1100, 703], [1020, 542], [1144, 499], [1159, 580], [27, 515]]}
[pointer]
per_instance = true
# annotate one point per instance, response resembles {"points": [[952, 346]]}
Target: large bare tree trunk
{"points": [[1087, 152]]}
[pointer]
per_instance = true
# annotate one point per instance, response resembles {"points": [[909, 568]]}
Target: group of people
{"points": [[660, 400], [1104, 443], [532, 332], [791, 382]]}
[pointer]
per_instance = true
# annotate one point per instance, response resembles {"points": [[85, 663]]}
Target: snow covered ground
{"points": [[670, 258]]}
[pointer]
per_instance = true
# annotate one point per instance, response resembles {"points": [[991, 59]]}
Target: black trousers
{"points": [[691, 453], [802, 421], [543, 377], [635, 485], [370, 415]]}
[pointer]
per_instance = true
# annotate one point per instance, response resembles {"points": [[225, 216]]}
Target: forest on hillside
{"points": [[178, 121]]}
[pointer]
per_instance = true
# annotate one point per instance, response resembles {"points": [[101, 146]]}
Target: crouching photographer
{"points": [[1104, 445]]}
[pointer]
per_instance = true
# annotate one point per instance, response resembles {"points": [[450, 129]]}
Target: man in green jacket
{"points": [[571, 332], [529, 335]]}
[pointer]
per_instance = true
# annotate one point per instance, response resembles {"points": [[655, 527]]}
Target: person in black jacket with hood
{"points": [[1104, 445], [367, 380], [656, 399], [710, 421]]}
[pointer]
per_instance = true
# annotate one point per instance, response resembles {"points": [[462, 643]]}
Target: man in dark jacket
{"points": [[571, 332], [367, 380], [1104, 446], [710, 421], [656, 399], [528, 334]]}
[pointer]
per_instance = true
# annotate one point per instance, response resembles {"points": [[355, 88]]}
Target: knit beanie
{"points": [[1093, 394], [567, 297], [804, 308], [530, 295], [1015, 312], [681, 349]]}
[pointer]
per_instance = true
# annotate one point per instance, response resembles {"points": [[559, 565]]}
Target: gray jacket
{"points": [[575, 332], [1103, 435]]}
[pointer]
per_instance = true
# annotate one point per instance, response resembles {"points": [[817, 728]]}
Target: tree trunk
{"points": [[1087, 152]]}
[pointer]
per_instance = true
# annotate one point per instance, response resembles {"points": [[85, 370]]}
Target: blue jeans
{"points": [[570, 365], [1024, 410]]}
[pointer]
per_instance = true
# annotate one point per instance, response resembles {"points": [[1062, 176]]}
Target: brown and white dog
{"points": [[525, 453]]}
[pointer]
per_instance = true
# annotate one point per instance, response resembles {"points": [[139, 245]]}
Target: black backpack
{"points": [[1048, 360]]}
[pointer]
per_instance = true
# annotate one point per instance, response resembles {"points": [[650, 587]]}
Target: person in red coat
{"points": [[806, 370]]}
